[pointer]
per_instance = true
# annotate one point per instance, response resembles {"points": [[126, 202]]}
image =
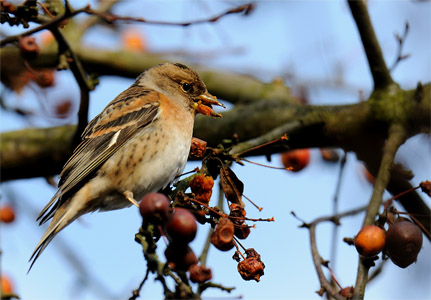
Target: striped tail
{"points": [[63, 216]]}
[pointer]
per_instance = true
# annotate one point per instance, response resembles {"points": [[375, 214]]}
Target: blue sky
{"points": [[309, 42]]}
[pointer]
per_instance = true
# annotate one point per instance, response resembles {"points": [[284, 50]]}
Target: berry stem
{"points": [[236, 241], [254, 204], [237, 249], [283, 138], [266, 166], [388, 202]]}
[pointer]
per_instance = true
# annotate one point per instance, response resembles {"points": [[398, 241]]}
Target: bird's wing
{"points": [[130, 111]]}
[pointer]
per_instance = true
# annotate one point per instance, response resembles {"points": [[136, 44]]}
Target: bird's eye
{"points": [[187, 87]]}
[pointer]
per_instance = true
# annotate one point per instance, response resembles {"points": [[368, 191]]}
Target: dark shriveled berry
{"points": [[403, 243], [28, 47], [347, 292], [154, 207], [180, 256], [242, 231], [182, 226], [199, 274], [252, 267], [222, 237]]}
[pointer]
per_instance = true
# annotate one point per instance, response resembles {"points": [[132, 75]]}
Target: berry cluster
{"points": [[177, 220], [18, 14], [401, 242], [180, 226]]}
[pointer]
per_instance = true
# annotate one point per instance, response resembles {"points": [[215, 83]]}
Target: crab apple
{"points": [[242, 231], [202, 186], [370, 240], [347, 292], [251, 268], [45, 78], [154, 207], [7, 214], [222, 237], [6, 285], [403, 243], [180, 256], [63, 108], [296, 160], [329, 155], [182, 226], [199, 273], [28, 47], [426, 187]]}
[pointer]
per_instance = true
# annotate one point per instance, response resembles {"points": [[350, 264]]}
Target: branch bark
{"points": [[380, 72]]}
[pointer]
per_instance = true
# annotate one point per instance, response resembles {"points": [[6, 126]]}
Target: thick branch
{"points": [[34, 152], [380, 72]]}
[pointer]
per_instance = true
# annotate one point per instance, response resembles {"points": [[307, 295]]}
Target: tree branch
{"points": [[317, 259], [245, 9], [396, 138], [380, 72]]}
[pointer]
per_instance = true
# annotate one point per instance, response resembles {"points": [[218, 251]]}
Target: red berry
{"points": [[403, 243], [296, 160], [7, 214], [154, 207], [182, 226], [347, 292], [6, 285], [329, 155], [426, 187], [370, 240], [45, 78], [180, 256], [199, 273], [63, 109], [242, 231], [28, 47]]}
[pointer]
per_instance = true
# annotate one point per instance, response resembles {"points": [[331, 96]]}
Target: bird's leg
{"points": [[129, 197]]}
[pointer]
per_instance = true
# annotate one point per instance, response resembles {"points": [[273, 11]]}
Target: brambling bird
{"points": [[138, 144]]}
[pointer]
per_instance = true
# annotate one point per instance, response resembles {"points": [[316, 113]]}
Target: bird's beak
{"points": [[204, 105]]}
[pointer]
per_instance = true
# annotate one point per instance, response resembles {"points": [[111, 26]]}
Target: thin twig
{"points": [[335, 211], [317, 259], [401, 40], [135, 293], [246, 8], [268, 137], [111, 18], [283, 138], [50, 24]]}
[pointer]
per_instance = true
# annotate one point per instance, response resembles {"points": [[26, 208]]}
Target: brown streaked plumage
{"points": [[138, 144]]}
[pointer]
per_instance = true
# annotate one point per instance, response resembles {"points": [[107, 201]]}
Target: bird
{"points": [[138, 144]]}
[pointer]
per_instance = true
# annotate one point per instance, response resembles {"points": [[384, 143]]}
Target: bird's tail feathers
{"points": [[62, 218]]}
